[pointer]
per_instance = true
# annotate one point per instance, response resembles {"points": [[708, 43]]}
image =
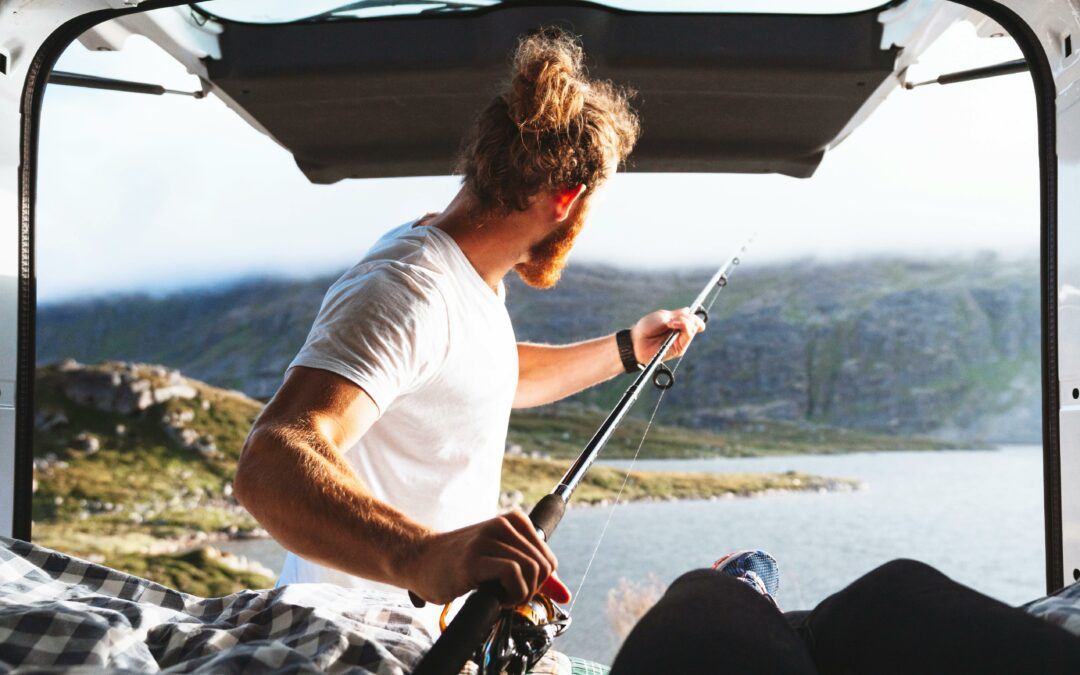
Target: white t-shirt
{"points": [[416, 327]]}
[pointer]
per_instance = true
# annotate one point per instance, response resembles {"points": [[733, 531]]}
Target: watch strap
{"points": [[626, 351]]}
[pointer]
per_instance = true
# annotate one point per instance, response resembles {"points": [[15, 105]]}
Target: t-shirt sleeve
{"points": [[386, 331]]}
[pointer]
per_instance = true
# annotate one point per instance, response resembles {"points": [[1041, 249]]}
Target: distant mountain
{"points": [[942, 348]]}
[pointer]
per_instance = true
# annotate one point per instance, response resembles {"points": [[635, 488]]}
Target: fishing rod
{"points": [[512, 640]]}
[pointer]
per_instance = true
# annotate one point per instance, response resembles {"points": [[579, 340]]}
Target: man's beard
{"points": [[548, 257]]}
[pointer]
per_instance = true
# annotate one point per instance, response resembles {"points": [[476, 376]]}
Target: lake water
{"points": [[976, 515]]}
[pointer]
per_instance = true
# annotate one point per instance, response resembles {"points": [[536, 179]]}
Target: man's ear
{"points": [[565, 199]]}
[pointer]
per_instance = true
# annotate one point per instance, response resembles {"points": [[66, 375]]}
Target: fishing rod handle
{"points": [[472, 625], [470, 628], [545, 517], [547, 514]]}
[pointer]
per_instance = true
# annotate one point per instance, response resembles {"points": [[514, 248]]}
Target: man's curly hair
{"points": [[552, 127]]}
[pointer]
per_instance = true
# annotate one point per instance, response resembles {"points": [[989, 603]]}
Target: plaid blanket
{"points": [[59, 613], [1061, 608]]}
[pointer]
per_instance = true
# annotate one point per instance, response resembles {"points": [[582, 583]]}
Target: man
{"points": [[378, 461]]}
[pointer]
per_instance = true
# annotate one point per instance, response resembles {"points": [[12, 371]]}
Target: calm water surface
{"points": [[976, 515]]}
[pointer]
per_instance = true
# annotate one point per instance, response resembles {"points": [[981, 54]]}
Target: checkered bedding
{"points": [[1061, 608], [58, 613]]}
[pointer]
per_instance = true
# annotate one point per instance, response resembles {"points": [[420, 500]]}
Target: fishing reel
{"points": [[520, 638]]}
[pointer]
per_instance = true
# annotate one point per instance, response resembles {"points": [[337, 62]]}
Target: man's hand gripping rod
{"points": [[473, 624]]}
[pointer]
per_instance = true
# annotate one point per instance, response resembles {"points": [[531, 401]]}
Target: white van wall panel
{"points": [[9, 291], [1068, 328], [7, 486], [1068, 295], [1070, 490], [8, 331], [12, 43], [9, 284], [1068, 281]]}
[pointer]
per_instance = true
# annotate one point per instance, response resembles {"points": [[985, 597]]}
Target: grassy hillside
{"points": [[139, 476], [562, 432], [135, 499], [149, 490]]}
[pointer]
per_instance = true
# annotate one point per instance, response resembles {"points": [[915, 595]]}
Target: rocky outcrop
{"points": [[125, 388], [175, 423], [129, 389]]}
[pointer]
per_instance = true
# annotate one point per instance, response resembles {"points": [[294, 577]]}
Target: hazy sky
{"points": [[146, 193]]}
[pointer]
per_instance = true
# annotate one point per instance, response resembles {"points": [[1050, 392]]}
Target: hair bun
{"points": [[549, 84]]}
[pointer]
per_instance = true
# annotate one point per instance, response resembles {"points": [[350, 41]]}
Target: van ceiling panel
{"points": [[736, 93]]}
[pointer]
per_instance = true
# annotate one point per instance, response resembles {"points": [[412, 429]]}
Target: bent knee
{"points": [[904, 571], [906, 566]]}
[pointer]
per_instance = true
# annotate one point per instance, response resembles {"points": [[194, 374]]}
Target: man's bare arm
{"points": [[548, 373], [294, 480]]}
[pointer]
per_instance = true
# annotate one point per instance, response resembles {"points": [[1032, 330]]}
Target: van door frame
{"points": [[16, 449]]}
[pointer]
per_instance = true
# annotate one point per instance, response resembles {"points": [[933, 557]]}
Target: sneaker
{"points": [[756, 569]]}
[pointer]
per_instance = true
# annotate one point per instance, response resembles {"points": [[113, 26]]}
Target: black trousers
{"points": [[903, 617]]}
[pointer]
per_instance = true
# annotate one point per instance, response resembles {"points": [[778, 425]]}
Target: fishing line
{"points": [[618, 498], [626, 479]]}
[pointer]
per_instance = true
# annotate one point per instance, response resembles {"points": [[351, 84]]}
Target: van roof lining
{"points": [[736, 93]]}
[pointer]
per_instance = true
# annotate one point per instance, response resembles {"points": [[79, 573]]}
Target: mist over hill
{"points": [[948, 349]]}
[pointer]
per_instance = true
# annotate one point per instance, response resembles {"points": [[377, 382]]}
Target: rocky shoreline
{"points": [[515, 500], [527, 479], [508, 501]]}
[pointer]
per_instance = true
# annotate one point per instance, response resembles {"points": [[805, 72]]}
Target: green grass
{"points": [[142, 465], [199, 572], [535, 477], [157, 491]]}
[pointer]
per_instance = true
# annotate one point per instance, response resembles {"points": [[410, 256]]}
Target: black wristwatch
{"points": [[626, 351]]}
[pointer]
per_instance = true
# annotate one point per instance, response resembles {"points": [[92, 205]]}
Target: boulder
{"points": [[120, 387], [177, 418], [86, 443]]}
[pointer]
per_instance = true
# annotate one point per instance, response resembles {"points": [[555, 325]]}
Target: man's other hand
{"points": [[506, 549], [652, 329]]}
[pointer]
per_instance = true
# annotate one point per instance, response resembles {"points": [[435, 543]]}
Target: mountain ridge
{"points": [[948, 349]]}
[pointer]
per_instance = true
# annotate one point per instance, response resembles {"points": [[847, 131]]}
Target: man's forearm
{"points": [[307, 498], [547, 373]]}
